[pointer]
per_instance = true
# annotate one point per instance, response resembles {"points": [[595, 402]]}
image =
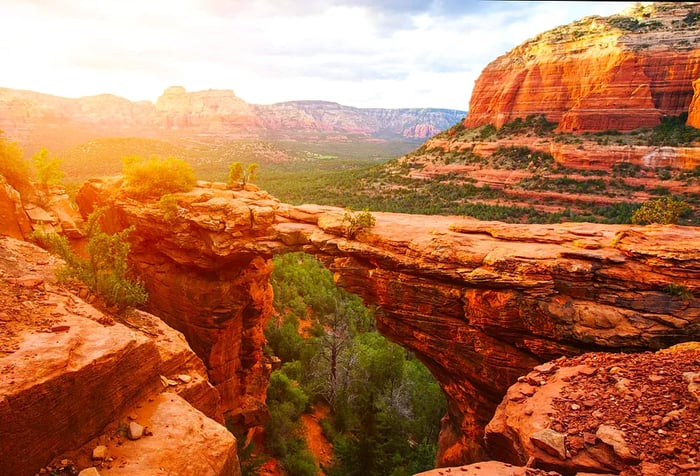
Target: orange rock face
{"points": [[14, 220], [70, 371], [480, 303], [694, 109], [621, 72]]}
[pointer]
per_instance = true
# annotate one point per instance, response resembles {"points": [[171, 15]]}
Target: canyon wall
{"points": [[480, 303], [74, 377], [621, 72]]}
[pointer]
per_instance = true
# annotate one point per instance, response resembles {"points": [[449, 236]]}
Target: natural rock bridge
{"points": [[479, 303]]}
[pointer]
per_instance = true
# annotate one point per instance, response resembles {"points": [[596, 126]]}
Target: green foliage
{"points": [[284, 438], [13, 166], [281, 389], [235, 173], [106, 270], [252, 171], [456, 129], [691, 18], [250, 462], [238, 173], [355, 222], [679, 290], [385, 406], [673, 131], [155, 177], [169, 206], [48, 169], [624, 22], [666, 210], [514, 158], [487, 131], [535, 124]]}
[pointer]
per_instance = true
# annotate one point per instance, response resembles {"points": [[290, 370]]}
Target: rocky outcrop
{"points": [[14, 220], [71, 373], [480, 303], [213, 111], [694, 108], [604, 413], [47, 209], [35, 119], [586, 155], [621, 72]]}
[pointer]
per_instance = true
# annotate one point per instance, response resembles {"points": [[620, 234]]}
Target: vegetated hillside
{"points": [[522, 155], [512, 175], [280, 161]]}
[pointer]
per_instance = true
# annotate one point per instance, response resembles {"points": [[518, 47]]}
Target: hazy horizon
{"points": [[379, 54]]}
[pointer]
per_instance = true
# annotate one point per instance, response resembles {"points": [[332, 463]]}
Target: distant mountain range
{"points": [[36, 119]]}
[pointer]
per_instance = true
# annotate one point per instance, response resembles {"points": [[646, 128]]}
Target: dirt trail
{"points": [[320, 447]]}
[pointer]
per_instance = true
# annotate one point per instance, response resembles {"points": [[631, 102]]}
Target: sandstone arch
{"points": [[480, 303]]}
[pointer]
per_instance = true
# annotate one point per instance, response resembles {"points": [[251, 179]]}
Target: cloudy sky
{"points": [[364, 53]]}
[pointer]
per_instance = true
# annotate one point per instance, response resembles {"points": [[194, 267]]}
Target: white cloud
{"points": [[361, 53]]}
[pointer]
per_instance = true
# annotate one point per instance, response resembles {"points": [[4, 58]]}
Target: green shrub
{"points": [[666, 210], [48, 170], [691, 18], [354, 222], [155, 177], [300, 463], [238, 173], [13, 165], [106, 270], [673, 131], [168, 205], [679, 290]]}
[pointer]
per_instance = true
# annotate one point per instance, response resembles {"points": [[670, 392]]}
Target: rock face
{"points": [[212, 111], [43, 209], [70, 372], [621, 72], [480, 303], [322, 116], [14, 220], [694, 109], [36, 119], [609, 412]]}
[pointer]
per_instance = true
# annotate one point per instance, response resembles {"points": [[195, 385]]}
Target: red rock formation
{"points": [[480, 303], [14, 220], [35, 120], [588, 155], [47, 210], [694, 109], [604, 413], [70, 371], [205, 112], [593, 75]]}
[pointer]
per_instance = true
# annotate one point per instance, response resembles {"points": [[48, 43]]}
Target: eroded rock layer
{"points": [[70, 372], [480, 303], [621, 72]]}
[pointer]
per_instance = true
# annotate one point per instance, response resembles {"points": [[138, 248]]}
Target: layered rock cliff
{"points": [[480, 303], [621, 72], [73, 377]]}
